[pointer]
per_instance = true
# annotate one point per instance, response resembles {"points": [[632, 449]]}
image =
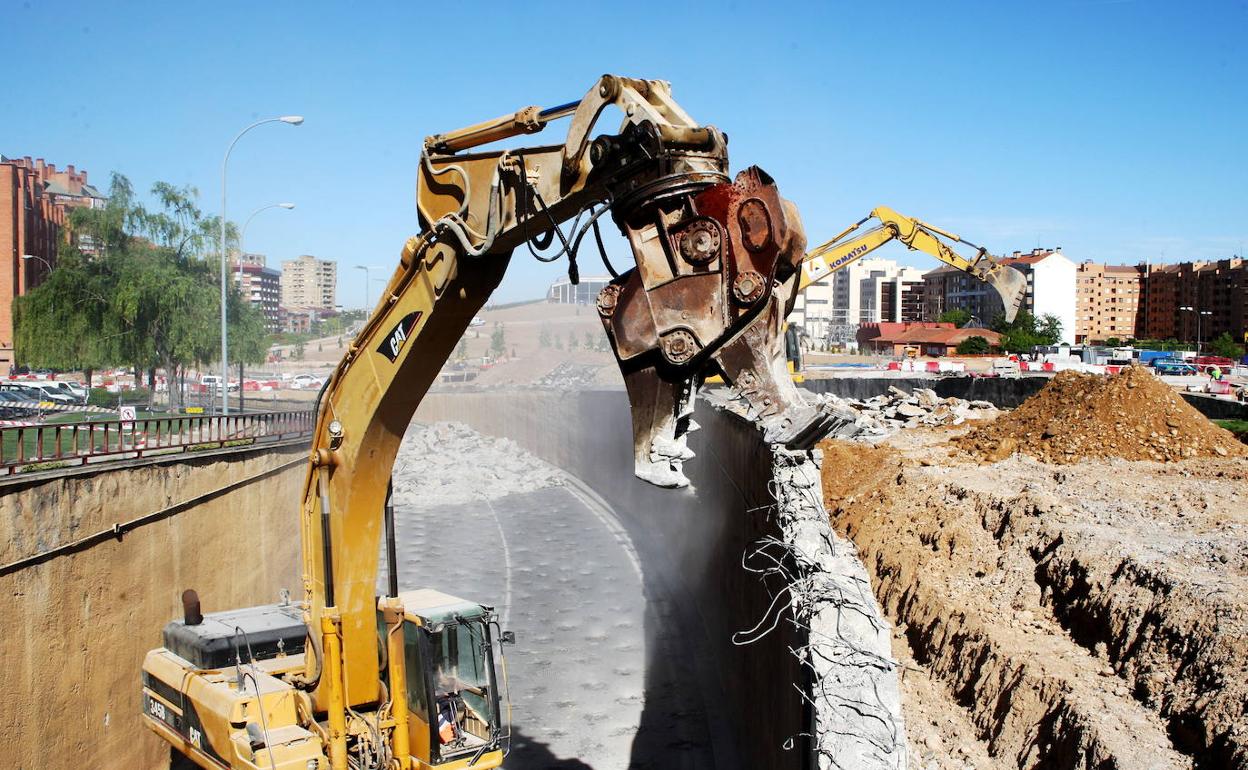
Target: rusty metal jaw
{"points": [[662, 412], [753, 363]]}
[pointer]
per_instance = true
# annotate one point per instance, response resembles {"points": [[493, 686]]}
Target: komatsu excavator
{"points": [[838, 253], [346, 679]]}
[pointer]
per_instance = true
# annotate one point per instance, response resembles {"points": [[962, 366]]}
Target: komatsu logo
{"points": [[857, 251], [397, 338]]}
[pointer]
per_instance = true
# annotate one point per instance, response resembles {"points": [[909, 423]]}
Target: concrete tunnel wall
{"points": [[690, 542], [76, 627]]}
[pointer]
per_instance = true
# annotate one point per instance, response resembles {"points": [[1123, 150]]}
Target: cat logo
{"points": [[397, 338]]}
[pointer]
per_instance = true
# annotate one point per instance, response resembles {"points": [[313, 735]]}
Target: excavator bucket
{"points": [[715, 274], [1011, 285]]}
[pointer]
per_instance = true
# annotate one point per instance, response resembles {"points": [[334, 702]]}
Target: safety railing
{"points": [[47, 446]]}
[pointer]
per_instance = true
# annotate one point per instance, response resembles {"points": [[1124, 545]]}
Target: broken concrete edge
{"points": [[852, 689]]}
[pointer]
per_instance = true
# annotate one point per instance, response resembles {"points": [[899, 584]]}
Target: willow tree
{"points": [[138, 287]]}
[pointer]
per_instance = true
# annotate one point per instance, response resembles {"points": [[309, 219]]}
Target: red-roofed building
{"points": [[932, 339]]}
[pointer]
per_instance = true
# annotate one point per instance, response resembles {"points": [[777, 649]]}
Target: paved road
{"points": [[565, 578]]}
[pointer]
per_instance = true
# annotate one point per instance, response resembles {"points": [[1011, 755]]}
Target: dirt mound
{"points": [[1131, 415]]}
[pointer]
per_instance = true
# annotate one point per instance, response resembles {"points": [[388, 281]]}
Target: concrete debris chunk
{"points": [[884, 415]]}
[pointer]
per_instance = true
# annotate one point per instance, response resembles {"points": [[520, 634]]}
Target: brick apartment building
{"points": [[309, 283], [1216, 290], [1109, 302], [35, 198]]}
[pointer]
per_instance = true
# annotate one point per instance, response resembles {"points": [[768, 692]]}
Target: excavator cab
{"points": [[453, 694]]}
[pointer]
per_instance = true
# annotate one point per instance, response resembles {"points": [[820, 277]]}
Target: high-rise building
{"points": [[35, 199], [308, 282], [1050, 290], [1109, 302], [261, 286], [866, 291]]}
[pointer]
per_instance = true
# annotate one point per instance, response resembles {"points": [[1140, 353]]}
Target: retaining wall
{"points": [[76, 626]]}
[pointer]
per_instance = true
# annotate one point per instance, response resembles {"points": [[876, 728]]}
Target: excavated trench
{"points": [[724, 626]]}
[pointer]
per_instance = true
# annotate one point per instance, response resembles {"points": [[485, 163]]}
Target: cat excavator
{"points": [[344, 679], [347, 679]]}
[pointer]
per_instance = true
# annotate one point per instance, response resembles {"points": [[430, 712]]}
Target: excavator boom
{"points": [[837, 253]]}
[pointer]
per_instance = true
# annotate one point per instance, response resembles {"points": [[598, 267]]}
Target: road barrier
{"points": [[49, 446]]}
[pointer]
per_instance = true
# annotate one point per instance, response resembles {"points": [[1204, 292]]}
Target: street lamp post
{"points": [[1198, 335], [1189, 309], [41, 259], [242, 250], [293, 120], [366, 268]]}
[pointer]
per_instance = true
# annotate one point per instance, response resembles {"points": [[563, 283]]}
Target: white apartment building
{"points": [[308, 282], [1050, 290], [869, 290]]}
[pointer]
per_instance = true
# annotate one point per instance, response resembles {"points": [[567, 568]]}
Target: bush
{"points": [[957, 316], [101, 397], [1224, 345], [973, 346]]}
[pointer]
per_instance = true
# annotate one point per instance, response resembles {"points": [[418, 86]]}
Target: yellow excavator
{"points": [[837, 253], [915, 234], [345, 679]]}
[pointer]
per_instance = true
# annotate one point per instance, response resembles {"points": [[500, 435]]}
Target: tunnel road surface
{"points": [[600, 677]]}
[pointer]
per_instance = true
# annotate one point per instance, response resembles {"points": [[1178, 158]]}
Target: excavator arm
{"points": [[708, 254], [837, 253]]}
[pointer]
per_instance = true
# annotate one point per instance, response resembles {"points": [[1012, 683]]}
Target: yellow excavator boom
{"points": [[837, 253]]}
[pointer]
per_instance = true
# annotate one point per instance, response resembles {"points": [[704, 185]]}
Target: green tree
{"points": [[1113, 342], [572, 343], [957, 316], [543, 337], [298, 352], [1225, 345], [1027, 332], [138, 287], [498, 341], [589, 341], [973, 346], [461, 351]]}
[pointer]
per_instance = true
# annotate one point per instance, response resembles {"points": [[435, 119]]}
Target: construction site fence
{"points": [[44, 447]]}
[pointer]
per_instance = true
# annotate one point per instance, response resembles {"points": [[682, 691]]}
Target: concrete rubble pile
{"points": [[881, 416], [429, 470], [569, 376]]}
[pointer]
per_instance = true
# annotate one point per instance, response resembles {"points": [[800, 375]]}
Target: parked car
{"points": [[1174, 367], [13, 405], [306, 382]]}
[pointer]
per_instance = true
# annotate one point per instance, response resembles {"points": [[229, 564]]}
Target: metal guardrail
{"points": [[26, 448]]}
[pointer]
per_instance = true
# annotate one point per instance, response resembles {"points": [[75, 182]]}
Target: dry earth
{"points": [[1067, 616]]}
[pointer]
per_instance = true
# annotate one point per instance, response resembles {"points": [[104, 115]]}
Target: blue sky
{"points": [[1114, 129]]}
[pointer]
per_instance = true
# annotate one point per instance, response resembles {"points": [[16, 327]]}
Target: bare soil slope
{"points": [[1090, 616]]}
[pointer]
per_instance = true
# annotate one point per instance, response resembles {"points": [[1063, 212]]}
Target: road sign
{"points": [[127, 413]]}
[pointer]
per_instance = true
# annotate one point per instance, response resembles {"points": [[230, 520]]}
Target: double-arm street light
{"points": [[293, 120], [367, 307], [1199, 313]]}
